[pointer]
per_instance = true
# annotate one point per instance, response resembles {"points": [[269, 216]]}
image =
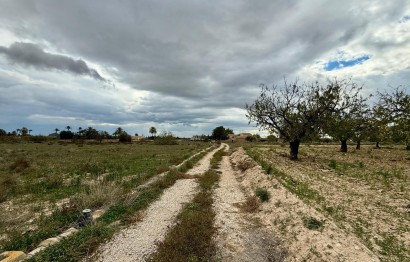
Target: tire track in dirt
{"points": [[138, 242], [238, 237]]}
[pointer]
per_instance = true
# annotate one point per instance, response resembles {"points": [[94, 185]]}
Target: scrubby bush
{"points": [[66, 135], [263, 194], [245, 165], [124, 137], [251, 205], [312, 223], [166, 138]]}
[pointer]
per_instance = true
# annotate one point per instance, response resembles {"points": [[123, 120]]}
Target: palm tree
{"points": [[29, 131], [56, 130], [118, 132], [152, 131], [24, 131], [68, 128]]}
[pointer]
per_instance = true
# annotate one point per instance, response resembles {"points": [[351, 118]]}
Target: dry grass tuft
{"points": [[20, 164], [245, 165], [96, 196], [251, 204]]}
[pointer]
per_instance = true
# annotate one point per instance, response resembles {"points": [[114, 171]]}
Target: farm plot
{"points": [[365, 192], [44, 186]]}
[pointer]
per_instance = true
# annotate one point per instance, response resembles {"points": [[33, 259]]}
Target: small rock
{"points": [[49, 241], [35, 251], [356, 247], [68, 232]]}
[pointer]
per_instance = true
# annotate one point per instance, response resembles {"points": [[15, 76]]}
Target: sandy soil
{"points": [[284, 215], [239, 238], [366, 203]]}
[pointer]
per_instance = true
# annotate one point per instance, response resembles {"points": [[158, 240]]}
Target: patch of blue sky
{"points": [[404, 19], [339, 64]]}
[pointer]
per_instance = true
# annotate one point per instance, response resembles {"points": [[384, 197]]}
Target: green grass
{"points": [[263, 194], [191, 239], [312, 223], [61, 171]]}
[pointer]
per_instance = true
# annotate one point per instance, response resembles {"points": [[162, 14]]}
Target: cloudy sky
{"points": [[184, 66]]}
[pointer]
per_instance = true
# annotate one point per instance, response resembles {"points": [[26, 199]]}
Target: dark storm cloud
{"points": [[32, 55], [200, 61]]}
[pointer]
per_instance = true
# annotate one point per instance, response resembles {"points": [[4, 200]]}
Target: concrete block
{"points": [[49, 242], [12, 256]]}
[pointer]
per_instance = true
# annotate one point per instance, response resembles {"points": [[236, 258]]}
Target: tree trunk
{"points": [[377, 144], [343, 146], [358, 145], [294, 149]]}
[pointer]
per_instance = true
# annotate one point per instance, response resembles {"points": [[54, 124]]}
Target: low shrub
{"points": [[312, 223], [124, 138], [263, 194], [20, 164], [245, 165], [251, 204]]}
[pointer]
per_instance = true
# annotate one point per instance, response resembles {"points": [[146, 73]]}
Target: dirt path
{"points": [[284, 215], [238, 237], [138, 242]]}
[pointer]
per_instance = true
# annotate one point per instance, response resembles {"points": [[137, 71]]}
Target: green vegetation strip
{"points": [[301, 189], [76, 247], [191, 239]]}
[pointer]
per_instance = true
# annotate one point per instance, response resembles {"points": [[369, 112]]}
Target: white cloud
{"points": [[189, 66]]}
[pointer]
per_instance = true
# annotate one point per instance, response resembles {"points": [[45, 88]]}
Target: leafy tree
{"points": [[118, 132], [29, 131], [24, 131], [220, 133], [18, 131], [3, 132], [395, 108], [68, 128], [349, 122], [66, 135], [153, 131], [380, 130], [56, 129], [124, 137], [91, 133], [166, 138], [296, 111]]}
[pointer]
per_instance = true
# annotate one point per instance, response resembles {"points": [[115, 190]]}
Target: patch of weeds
{"points": [[333, 164], [312, 223], [392, 247], [207, 180], [245, 165], [7, 186], [251, 204], [49, 226], [191, 239], [20, 164], [76, 246], [161, 169], [217, 158], [263, 194]]}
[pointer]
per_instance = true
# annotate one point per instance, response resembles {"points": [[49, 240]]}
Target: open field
{"points": [[364, 192], [43, 186], [327, 206]]}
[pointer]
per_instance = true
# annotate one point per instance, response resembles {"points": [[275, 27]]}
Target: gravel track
{"points": [[238, 237], [138, 242]]}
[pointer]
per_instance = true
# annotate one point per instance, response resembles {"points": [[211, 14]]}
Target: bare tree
{"points": [[296, 111]]}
